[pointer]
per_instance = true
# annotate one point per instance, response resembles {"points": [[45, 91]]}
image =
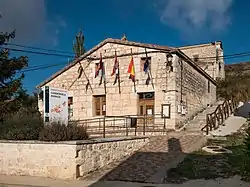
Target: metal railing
{"points": [[124, 125], [221, 113]]}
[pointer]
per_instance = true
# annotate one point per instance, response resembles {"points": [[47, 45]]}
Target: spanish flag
{"points": [[131, 70]]}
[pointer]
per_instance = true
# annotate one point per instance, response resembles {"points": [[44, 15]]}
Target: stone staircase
{"points": [[199, 121]]}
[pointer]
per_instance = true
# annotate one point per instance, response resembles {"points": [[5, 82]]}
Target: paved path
{"points": [[152, 161], [17, 181], [234, 122], [232, 125]]}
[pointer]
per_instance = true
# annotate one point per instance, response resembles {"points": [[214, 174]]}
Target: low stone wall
{"points": [[64, 160]]}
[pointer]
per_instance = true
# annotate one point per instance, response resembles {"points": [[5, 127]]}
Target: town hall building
{"points": [[125, 78]]}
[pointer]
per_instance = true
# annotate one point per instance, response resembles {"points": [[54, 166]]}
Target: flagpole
{"points": [[134, 70], [149, 70], [119, 83], [88, 82], [104, 77]]}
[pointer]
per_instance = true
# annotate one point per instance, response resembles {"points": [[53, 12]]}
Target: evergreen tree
{"points": [[11, 90], [78, 46]]}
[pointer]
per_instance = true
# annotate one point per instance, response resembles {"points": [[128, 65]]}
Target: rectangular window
{"points": [[143, 60], [70, 107], [208, 87], [100, 105]]}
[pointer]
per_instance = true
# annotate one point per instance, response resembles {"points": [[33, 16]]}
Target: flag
{"points": [[146, 70], [148, 80], [99, 66], [131, 70], [146, 65], [115, 70], [80, 70], [87, 86], [102, 74]]}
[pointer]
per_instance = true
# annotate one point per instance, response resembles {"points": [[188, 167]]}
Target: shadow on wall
{"points": [[143, 164], [243, 110]]}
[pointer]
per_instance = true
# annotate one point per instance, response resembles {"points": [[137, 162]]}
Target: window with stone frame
{"points": [[70, 107], [99, 105], [143, 60]]}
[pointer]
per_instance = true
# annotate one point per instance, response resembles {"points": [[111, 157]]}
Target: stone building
{"points": [[177, 88], [208, 56]]}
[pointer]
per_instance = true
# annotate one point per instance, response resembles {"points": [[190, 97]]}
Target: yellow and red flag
{"points": [[131, 70]]}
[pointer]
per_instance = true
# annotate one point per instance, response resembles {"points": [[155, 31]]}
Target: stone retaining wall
{"points": [[64, 160]]}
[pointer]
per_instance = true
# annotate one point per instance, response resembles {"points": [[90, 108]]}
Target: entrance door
{"points": [[146, 106]]}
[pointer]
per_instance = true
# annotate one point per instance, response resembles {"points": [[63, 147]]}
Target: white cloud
{"points": [[197, 15], [30, 19]]}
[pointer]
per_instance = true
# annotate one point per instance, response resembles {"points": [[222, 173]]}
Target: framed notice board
{"points": [[165, 110]]}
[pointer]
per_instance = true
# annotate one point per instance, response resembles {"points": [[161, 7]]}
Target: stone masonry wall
{"points": [[37, 159], [125, 103], [195, 91], [91, 157], [62, 160], [205, 52]]}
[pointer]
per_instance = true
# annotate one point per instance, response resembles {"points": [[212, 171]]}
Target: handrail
{"points": [[114, 124], [221, 113]]}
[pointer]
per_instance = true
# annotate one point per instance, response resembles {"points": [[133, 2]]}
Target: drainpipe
{"points": [[181, 79]]}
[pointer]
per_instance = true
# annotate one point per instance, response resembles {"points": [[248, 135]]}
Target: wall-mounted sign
{"points": [[149, 111], [55, 105], [183, 109], [179, 109], [165, 110]]}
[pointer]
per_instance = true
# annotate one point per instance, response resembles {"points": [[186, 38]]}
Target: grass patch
{"points": [[203, 165]]}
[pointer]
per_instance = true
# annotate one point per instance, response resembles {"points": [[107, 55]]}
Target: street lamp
{"points": [[169, 57], [169, 64]]}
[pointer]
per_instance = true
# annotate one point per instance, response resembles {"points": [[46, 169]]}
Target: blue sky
{"points": [[50, 24]]}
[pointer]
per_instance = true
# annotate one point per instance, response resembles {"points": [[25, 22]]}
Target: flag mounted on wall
{"points": [[146, 68], [131, 69], [100, 69], [146, 65], [115, 70]]}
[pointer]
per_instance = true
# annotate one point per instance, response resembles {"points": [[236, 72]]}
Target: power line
{"points": [[38, 48], [227, 56], [43, 65], [64, 55], [39, 68], [36, 52]]}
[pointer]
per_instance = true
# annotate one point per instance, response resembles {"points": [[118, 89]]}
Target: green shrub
{"points": [[27, 125], [21, 126], [246, 168], [60, 132]]}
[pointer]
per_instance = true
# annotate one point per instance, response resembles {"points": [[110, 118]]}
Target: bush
{"points": [[61, 132], [246, 172], [27, 125], [21, 126]]}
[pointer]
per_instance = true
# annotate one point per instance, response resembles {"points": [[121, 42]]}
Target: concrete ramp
{"points": [[234, 122]]}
